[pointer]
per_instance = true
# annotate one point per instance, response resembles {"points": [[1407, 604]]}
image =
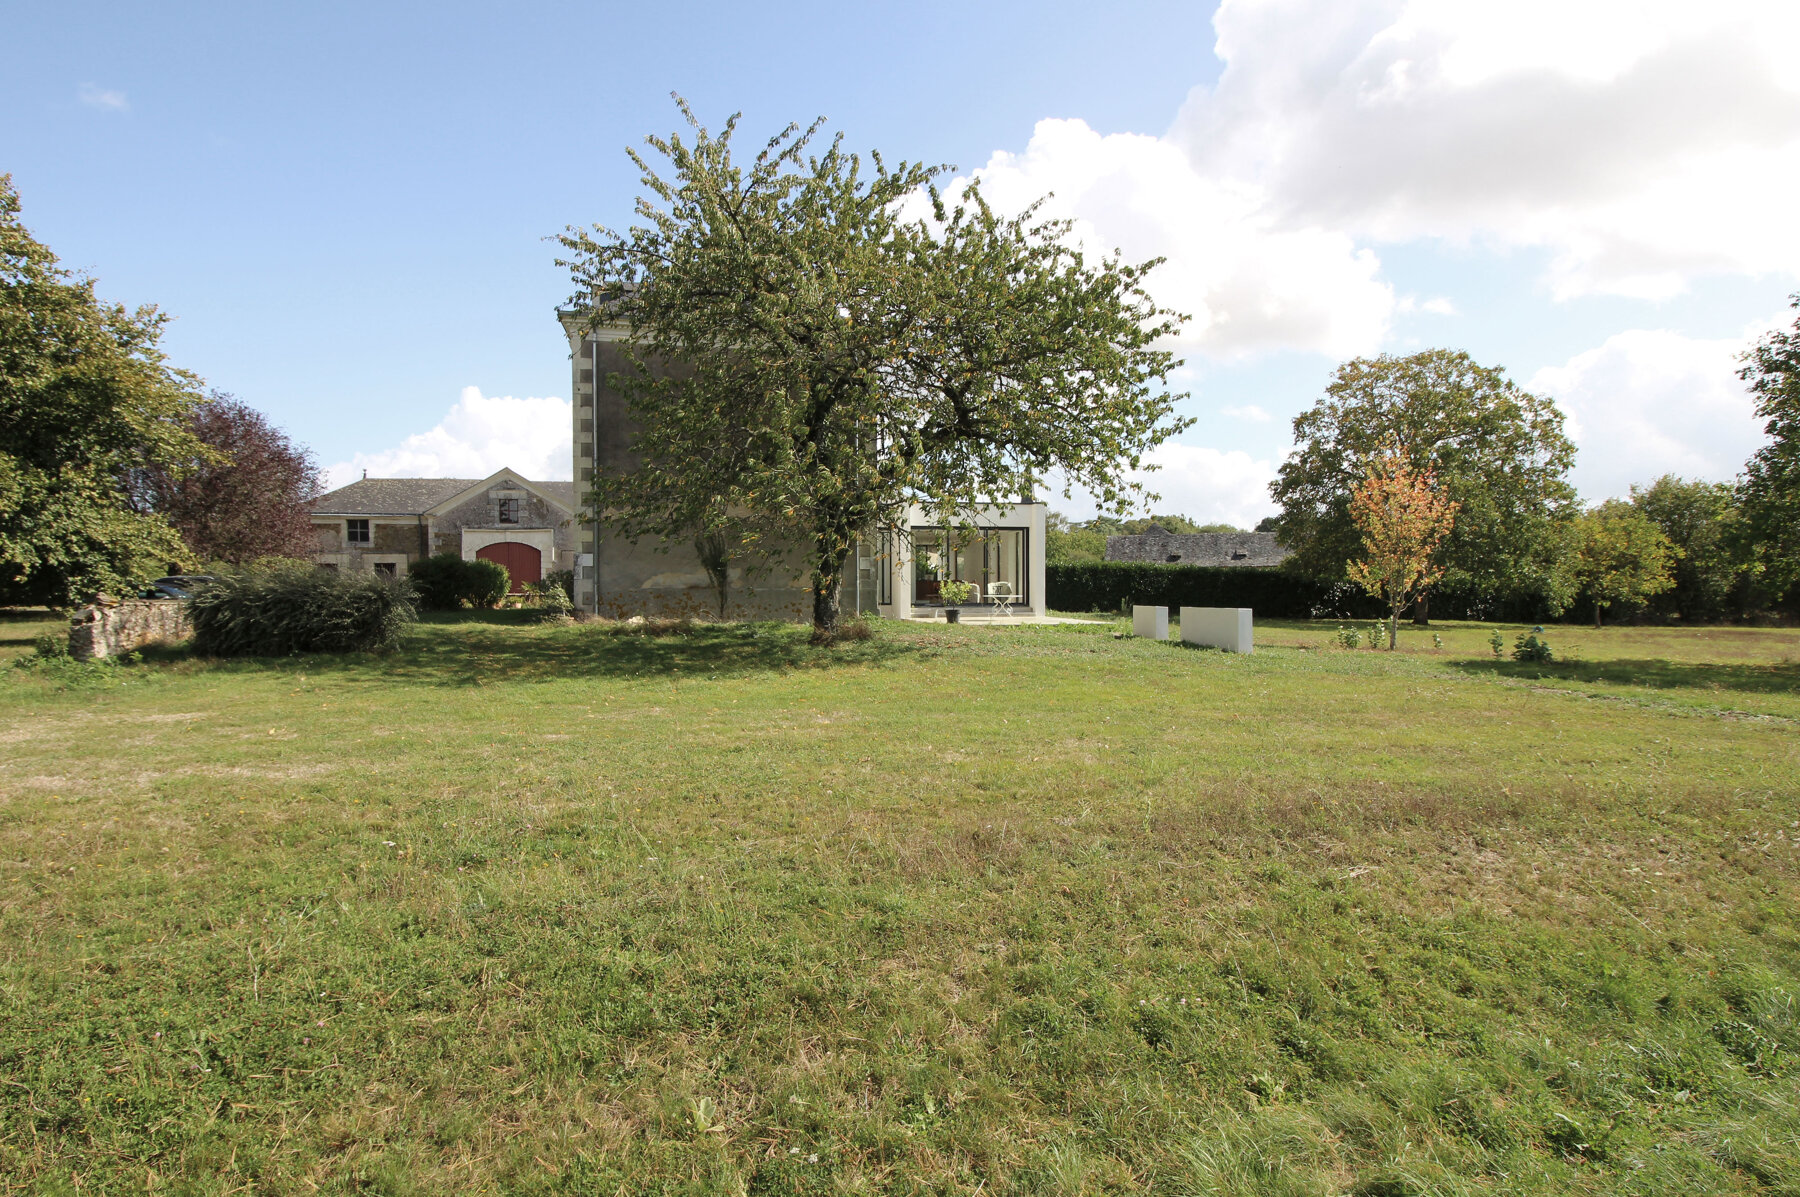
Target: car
{"points": [[176, 586]]}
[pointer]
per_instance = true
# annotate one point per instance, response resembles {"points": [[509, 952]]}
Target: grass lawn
{"points": [[955, 910]]}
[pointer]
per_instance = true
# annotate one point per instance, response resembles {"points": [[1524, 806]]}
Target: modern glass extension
{"points": [[994, 561]]}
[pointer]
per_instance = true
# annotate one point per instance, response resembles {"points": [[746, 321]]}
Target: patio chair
{"points": [[1001, 597]]}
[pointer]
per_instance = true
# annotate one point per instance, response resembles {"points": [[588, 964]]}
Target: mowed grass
{"points": [[955, 910]]}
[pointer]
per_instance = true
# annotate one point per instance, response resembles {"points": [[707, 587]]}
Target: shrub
{"points": [[446, 582], [1532, 650], [277, 612]]}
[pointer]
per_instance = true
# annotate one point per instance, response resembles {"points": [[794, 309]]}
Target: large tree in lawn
{"points": [[809, 358], [1497, 450], [86, 400], [247, 499], [1770, 487]]}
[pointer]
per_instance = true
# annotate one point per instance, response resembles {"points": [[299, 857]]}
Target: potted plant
{"points": [[954, 594]]}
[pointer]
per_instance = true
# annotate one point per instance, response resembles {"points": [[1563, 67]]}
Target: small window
{"points": [[328, 565], [1174, 556], [385, 569], [356, 531], [509, 511]]}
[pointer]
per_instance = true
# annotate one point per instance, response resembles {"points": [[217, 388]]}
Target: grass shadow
{"points": [[480, 648], [1653, 674]]}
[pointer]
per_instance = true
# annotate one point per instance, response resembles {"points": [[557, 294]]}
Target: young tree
{"points": [[1621, 556], [1499, 451], [810, 360], [1403, 517], [246, 500], [86, 398], [1770, 488], [1703, 523]]}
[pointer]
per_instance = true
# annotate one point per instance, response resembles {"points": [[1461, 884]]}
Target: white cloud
{"points": [[1643, 142], [1208, 485], [1249, 411], [1250, 281], [102, 98], [477, 436], [1649, 402]]}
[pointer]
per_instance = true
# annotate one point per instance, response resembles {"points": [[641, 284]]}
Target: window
{"points": [[356, 532], [509, 511], [385, 569], [328, 565]]}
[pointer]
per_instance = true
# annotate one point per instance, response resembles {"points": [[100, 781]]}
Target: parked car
{"points": [[176, 586]]}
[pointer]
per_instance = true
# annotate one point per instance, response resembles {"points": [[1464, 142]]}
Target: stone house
{"points": [[1244, 549], [385, 524], [1000, 551]]}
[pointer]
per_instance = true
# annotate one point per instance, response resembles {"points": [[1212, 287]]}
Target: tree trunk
{"points": [[1422, 612], [1393, 628], [828, 582], [1596, 613]]}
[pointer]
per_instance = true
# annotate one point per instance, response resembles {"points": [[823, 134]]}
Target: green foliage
{"points": [[86, 399], [1497, 450], [548, 595], [839, 360], [1108, 585], [1347, 637], [446, 582], [298, 609], [1621, 556], [1530, 649], [1770, 488], [954, 593], [1713, 559]]}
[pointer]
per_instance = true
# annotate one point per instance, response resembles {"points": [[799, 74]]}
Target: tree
{"points": [[246, 500], [1069, 543], [809, 360], [1770, 487], [86, 398], [1703, 523], [1621, 556], [1403, 517], [1498, 451]]}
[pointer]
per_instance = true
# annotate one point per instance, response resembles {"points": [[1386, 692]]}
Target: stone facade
{"points": [[108, 629], [1241, 549], [386, 524]]}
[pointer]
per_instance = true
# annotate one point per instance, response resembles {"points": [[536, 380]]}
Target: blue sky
{"points": [[345, 206]]}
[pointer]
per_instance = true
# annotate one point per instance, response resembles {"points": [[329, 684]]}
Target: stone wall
{"points": [[108, 629]]}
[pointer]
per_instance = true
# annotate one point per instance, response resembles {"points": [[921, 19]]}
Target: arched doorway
{"points": [[523, 563]]}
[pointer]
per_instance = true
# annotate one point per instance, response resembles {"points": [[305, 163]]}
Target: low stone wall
{"points": [[108, 629]]}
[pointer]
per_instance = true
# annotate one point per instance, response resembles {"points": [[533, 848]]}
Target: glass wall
{"points": [[993, 560]]}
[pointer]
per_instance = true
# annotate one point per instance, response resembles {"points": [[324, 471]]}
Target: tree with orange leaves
{"points": [[1403, 516]]}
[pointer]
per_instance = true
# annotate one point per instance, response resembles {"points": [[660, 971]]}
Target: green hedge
{"points": [[1108, 585], [298, 609], [446, 582]]}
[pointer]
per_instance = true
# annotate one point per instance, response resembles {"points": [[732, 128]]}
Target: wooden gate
{"points": [[523, 563]]}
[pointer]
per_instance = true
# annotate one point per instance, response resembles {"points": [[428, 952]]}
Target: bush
{"points": [[446, 582], [1532, 650], [299, 609], [1273, 593]]}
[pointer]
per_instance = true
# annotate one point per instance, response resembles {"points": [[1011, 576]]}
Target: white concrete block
{"points": [[1228, 628], [1152, 623]]}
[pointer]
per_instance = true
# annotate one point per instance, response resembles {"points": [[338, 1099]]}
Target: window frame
{"points": [[351, 530]]}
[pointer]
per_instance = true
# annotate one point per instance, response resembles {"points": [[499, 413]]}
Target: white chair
{"points": [[1002, 596]]}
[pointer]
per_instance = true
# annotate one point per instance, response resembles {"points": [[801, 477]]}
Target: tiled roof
{"points": [[412, 496], [390, 496]]}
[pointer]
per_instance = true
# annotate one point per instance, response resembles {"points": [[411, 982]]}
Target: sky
{"points": [[346, 209]]}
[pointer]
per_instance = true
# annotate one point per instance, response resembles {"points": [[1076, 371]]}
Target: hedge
{"points": [[299, 609], [1109, 585], [446, 582]]}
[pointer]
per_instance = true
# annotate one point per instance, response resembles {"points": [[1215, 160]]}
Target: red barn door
{"points": [[523, 563]]}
